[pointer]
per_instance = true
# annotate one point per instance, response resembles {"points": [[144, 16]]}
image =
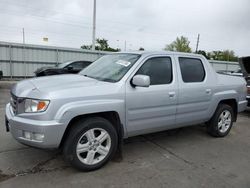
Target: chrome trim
{"points": [[14, 103]]}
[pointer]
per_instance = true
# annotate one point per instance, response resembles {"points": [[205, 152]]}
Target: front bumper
{"points": [[52, 130]]}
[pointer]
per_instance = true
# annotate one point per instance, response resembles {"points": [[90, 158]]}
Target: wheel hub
{"points": [[95, 147], [224, 121]]}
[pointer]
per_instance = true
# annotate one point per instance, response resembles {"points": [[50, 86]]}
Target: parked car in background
{"points": [[119, 96], [245, 67], [1, 74], [71, 67]]}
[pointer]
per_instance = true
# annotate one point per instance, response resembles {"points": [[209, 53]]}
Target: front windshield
{"points": [[110, 68], [62, 65]]}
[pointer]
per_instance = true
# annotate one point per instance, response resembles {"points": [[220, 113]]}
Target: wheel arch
{"points": [[112, 116], [233, 103]]}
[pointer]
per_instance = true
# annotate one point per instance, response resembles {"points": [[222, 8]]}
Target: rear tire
{"points": [[90, 144], [221, 122]]}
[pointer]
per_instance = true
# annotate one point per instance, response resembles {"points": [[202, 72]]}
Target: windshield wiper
{"points": [[90, 76], [107, 80], [99, 78]]}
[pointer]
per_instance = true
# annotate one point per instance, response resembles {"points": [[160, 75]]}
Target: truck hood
{"points": [[59, 86], [60, 82]]}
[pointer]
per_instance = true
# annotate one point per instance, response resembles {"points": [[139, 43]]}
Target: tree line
{"points": [[181, 44]]}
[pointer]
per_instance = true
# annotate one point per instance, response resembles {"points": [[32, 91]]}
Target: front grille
{"points": [[14, 103]]}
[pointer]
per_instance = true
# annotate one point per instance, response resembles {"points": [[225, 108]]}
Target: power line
{"points": [[50, 20], [12, 29], [39, 33], [157, 36], [73, 23], [88, 18], [63, 13], [87, 26], [76, 34]]}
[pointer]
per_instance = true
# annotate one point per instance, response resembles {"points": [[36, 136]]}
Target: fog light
{"points": [[27, 135], [38, 136], [33, 136]]}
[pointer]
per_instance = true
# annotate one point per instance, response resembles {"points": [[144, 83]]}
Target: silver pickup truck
{"points": [[122, 95]]}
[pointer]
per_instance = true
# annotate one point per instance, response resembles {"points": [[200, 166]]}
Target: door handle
{"points": [[208, 91], [171, 94]]}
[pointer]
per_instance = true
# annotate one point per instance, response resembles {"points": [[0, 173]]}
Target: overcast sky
{"points": [[151, 24]]}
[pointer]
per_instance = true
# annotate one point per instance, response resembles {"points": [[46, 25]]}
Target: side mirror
{"points": [[141, 80], [70, 67]]}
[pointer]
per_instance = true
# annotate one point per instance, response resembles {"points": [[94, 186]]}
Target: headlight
{"points": [[33, 105]]}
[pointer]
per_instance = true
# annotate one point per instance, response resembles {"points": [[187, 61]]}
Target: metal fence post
{"points": [[10, 60], [24, 65], [57, 57]]}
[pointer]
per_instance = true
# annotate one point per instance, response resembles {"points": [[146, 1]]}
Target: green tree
{"points": [[86, 47], [226, 55], [216, 55], [204, 53], [179, 45], [102, 45], [229, 55]]}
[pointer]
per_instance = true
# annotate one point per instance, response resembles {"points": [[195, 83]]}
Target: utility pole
{"points": [[23, 37], [117, 44], [197, 44], [94, 26], [125, 45], [24, 63]]}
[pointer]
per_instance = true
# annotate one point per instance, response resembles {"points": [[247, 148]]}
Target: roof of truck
{"points": [[147, 53]]}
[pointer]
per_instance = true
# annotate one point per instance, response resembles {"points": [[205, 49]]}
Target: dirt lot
{"points": [[186, 157]]}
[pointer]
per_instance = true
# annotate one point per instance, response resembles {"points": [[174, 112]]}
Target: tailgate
{"points": [[245, 67]]}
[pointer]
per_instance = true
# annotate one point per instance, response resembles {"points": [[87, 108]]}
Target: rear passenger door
{"points": [[152, 108], [195, 91]]}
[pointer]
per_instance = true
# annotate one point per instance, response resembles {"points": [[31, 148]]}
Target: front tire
{"points": [[221, 122], [91, 143]]}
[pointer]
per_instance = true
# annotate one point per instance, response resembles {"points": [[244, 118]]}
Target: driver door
{"points": [[153, 108]]}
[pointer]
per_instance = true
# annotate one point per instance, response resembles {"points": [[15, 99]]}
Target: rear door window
{"points": [[192, 69]]}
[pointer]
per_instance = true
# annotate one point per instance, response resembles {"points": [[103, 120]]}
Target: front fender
{"points": [[73, 109]]}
